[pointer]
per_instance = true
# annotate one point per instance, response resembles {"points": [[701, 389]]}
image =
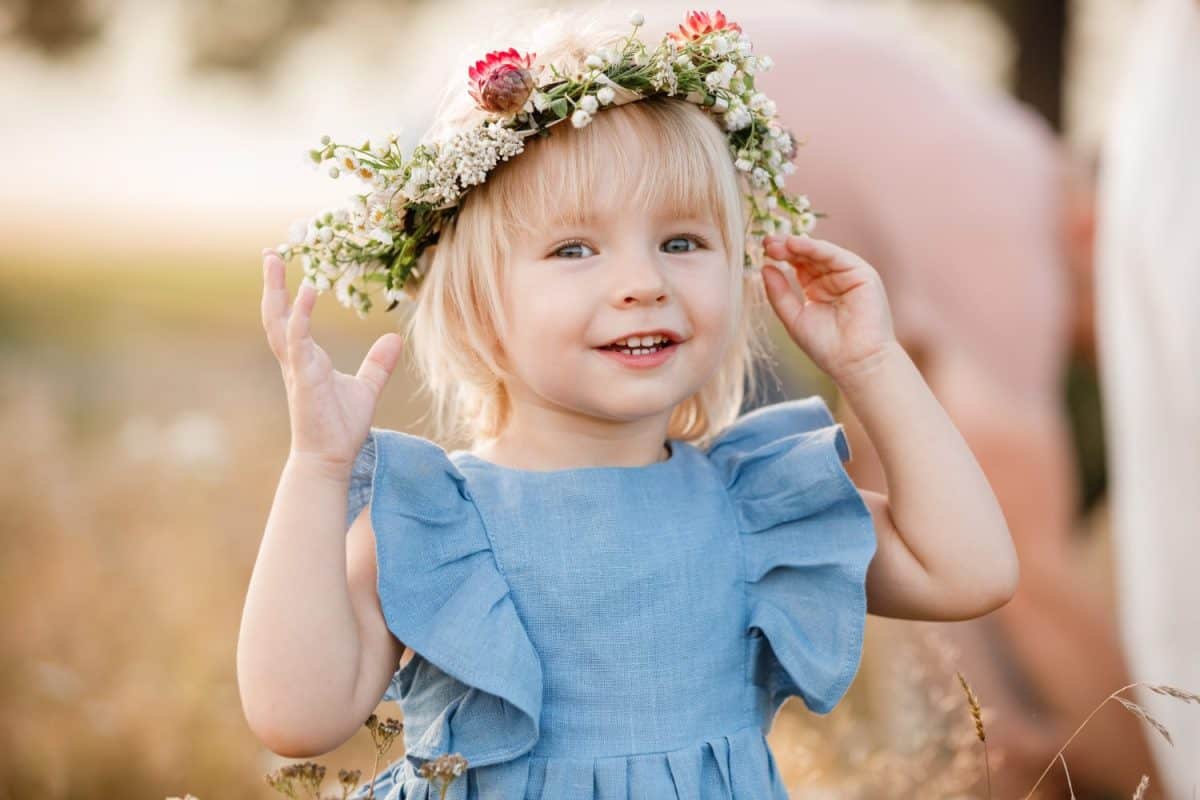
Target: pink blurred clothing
{"points": [[951, 192]]}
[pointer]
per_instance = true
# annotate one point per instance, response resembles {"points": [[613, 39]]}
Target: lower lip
{"points": [[647, 361]]}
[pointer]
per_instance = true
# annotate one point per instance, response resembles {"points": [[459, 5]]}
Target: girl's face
{"points": [[574, 288]]}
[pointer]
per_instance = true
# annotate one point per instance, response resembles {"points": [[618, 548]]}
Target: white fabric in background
{"points": [[1148, 334]]}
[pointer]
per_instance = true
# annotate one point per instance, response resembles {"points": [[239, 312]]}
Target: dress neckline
{"points": [[674, 445]]}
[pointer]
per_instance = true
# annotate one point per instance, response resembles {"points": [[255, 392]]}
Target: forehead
{"points": [[637, 161]]}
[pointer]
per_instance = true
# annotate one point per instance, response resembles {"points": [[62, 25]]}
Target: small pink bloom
{"points": [[501, 82], [699, 24]]}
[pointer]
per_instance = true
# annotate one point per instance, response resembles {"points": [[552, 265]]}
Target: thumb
{"points": [[380, 361]]}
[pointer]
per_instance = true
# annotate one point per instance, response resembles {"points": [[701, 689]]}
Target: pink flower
{"points": [[501, 82], [699, 24]]}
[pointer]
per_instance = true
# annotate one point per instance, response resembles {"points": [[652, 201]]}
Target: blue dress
{"points": [[611, 633]]}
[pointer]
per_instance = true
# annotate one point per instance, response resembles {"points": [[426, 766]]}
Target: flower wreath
{"points": [[381, 236]]}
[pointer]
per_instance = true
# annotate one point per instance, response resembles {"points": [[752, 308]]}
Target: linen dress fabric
{"points": [[605, 633]]}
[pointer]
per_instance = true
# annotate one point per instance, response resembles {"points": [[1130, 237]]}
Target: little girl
{"points": [[615, 589]]}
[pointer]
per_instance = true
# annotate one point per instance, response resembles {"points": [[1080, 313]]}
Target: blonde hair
{"points": [[660, 152]]}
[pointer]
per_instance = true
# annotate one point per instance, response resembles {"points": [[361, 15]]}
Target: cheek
{"points": [[544, 321], [713, 307]]}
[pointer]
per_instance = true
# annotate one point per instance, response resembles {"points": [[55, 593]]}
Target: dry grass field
{"points": [[145, 425]]}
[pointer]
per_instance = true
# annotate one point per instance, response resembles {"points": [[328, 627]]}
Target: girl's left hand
{"points": [[845, 323]]}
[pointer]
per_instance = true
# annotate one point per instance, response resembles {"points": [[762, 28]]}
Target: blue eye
{"points": [[699, 241], [684, 237], [572, 243]]}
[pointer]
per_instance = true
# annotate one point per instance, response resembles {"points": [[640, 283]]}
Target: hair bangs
{"points": [[661, 155]]}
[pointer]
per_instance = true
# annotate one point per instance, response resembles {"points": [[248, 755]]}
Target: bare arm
{"points": [[1057, 630], [944, 548], [299, 654], [312, 660]]}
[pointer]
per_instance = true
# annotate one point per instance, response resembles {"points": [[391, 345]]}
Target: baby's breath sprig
{"points": [[380, 238]]}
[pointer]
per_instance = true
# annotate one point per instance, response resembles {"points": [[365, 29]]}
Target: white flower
{"points": [[750, 65], [728, 68], [744, 47], [716, 80], [759, 176], [806, 221], [757, 99], [721, 45], [594, 61], [297, 231], [720, 105], [636, 19], [322, 283], [737, 118], [683, 61], [580, 118], [768, 109], [380, 145], [780, 179], [589, 104], [772, 201], [539, 101], [744, 165], [325, 235], [341, 216], [325, 140], [765, 63], [788, 168], [346, 159], [382, 236], [803, 203], [606, 95], [334, 172]]}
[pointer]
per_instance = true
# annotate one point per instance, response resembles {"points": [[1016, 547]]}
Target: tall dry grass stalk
{"points": [[1134, 708], [977, 715]]}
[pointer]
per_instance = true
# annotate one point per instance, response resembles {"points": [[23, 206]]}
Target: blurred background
{"points": [[151, 148]]}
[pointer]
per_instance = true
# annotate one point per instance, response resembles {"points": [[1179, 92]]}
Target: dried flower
{"points": [[501, 82]]}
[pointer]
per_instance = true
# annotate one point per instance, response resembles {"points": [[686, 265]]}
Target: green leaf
{"points": [[559, 107]]}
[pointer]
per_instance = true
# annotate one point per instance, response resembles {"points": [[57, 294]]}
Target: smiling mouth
{"points": [[638, 351]]}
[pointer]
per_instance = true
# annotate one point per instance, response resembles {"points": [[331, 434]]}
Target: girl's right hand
{"points": [[331, 412]]}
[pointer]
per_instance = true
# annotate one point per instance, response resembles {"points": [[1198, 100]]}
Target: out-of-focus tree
{"points": [[229, 35], [1040, 29], [57, 28]]}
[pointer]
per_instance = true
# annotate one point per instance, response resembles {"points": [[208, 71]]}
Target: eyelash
{"points": [[700, 241]]}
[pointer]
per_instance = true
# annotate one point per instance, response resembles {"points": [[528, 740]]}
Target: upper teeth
{"points": [[641, 341]]}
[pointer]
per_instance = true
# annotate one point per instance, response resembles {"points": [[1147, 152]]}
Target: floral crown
{"points": [[379, 238]]}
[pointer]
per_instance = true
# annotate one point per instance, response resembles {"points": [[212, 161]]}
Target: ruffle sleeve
{"points": [[474, 684], [807, 539]]}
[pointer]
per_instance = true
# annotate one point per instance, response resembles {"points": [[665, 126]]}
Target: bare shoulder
{"points": [[382, 651]]}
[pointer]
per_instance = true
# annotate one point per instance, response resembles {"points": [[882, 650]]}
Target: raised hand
{"points": [[330, 411], [841, 317]]}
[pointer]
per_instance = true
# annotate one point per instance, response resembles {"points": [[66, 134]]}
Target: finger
{"points": [[299, 327], [834, 270], [788, 305], [825, 253], [274, 302], [380, 361]]}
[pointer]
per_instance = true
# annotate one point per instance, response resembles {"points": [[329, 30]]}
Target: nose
{"points": [[640, 281]]}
